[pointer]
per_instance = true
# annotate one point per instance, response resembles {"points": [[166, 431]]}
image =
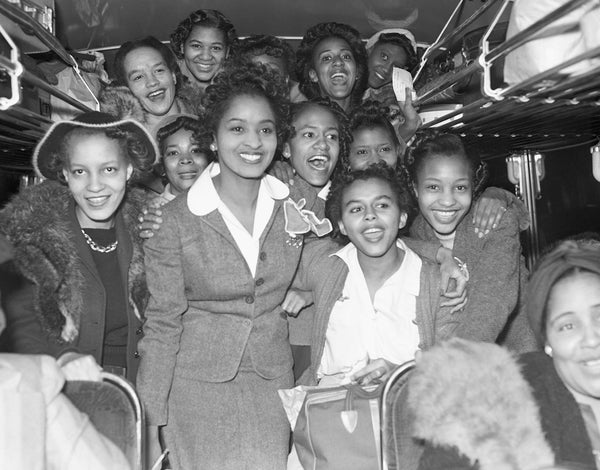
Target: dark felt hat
{"points": [[54, 136]]}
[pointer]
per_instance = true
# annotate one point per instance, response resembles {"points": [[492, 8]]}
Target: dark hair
{"points": [[379, 170], [369, 115], [305, 62], [338, 113], [200, 135], [430, 143], [253, 80], [153, 43], [261, 44], [134, 149], [412, 60], [207, 19]]}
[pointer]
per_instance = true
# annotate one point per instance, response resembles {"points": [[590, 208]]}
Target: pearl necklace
{"points": [[94, 246]]}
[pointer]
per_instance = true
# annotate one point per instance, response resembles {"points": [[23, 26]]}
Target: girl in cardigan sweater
{"points": [[446, 179], [376, 301]]}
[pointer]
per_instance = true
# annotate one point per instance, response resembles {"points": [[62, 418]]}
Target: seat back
{"points": [[115, 409], [392, 423]]}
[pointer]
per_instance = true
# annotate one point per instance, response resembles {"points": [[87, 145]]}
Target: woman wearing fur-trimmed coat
{"points": [[77, 284], [524, 416], [53, 298]]}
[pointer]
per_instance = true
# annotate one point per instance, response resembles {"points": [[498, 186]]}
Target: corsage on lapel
{"points": [[299, 221]]}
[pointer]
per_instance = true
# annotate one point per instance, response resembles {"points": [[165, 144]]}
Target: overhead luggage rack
{"points": [[553, 109], [24, 97]]}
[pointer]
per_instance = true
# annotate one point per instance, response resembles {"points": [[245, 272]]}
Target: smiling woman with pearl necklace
{"points": [[79, 288]]}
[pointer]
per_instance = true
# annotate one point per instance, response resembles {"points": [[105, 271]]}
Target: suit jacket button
{"points": [[139, 331], [136, 354], [260, 281], [249, 299], [262, 256]]}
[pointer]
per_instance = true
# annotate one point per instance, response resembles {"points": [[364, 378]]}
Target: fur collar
{"points": [[36, 222], [120, 101], [472, 396]]}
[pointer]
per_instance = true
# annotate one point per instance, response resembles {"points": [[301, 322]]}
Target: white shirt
{"points": [[203, 198], [324, 192], [359, 330]]}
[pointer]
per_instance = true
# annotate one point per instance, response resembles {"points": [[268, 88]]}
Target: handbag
{"points": [[338, 428]]}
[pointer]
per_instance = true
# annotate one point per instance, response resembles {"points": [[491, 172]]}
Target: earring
{"points": [[548, 350], [213, 147]]}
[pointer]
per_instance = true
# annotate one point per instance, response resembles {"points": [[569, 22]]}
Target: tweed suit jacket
{"points": [[206, 310]]}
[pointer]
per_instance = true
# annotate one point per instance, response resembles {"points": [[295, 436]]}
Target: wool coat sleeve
{"points": [[163, 327], [425, 249], [494, 267]]}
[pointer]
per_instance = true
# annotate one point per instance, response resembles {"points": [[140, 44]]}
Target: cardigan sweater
{"points": [[325, 275], [52, 293], [497, 276]]}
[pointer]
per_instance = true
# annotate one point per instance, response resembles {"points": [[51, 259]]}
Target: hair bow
{"points": [[299, 220]]}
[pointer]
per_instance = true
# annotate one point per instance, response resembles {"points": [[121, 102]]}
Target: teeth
{"points": [[98, 200], [373, 230], [339, 75], [252, 157], [594, 363], [381, 77], [154, 94]]}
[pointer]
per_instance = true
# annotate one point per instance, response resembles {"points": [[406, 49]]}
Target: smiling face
{"points": [[382, 60], [150, 80], [573, 331], [183, 160], [204, 52], [334, 68], [314, 149], [371, 145], [246, 137], [444, 191], [371, 217], [96, 172]]}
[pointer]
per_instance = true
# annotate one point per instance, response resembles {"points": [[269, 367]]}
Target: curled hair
{"points": [[343, 179], [400, 40], [188, 123], [152, 43], [430, 143], [254, 80], [338, 113], [204, 18], [133, 149], [370, 115], [261, 44], [305, 59]]}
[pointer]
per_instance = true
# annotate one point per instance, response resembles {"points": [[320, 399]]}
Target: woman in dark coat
{"points": [[77, 283]]}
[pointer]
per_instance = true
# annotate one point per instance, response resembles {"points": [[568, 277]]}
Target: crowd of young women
{"points": [[205, 308]]}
